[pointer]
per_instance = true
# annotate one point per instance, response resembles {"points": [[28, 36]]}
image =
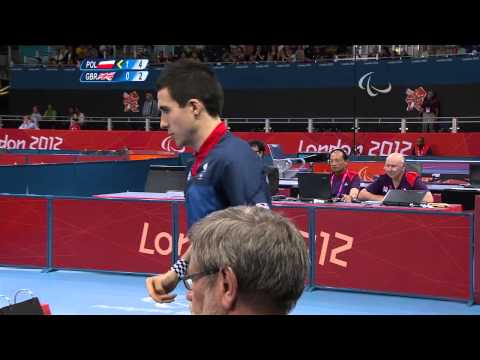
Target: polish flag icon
{"points": [[106, 64]]}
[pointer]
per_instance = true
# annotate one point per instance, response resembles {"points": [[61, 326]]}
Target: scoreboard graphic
{"points": [[113, 71]]}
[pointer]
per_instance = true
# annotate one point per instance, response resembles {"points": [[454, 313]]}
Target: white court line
{"points": [[171, 305], [19, 269], [134, 309], [174, 308]]}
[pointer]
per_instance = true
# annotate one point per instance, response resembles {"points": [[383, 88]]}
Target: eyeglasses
{"points": [[188, 280]]}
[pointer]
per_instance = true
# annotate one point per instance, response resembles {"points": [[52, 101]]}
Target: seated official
{"points": [[395, 177], [259, 148], [344, 183], [421, 149]]}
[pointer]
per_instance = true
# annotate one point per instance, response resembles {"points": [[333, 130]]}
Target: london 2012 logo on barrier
{"points": [[372, 90]]}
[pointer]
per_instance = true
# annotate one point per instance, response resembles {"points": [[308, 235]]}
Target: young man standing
{"points": [[226, 172]]}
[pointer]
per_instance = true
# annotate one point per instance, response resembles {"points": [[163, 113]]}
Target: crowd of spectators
{"points": [[49, 119], [72, 55], [240, 54]]}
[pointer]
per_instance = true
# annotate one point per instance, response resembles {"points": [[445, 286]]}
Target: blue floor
{"points": [[90, 293]]}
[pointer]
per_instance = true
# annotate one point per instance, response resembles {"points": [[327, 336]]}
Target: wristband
{"points": [[180, 267]]}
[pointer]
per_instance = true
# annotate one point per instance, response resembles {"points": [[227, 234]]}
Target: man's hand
{"points": [[160, 286], [347, 198]]}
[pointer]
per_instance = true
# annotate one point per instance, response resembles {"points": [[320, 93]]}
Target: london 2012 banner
{"points": [[369, 143]]}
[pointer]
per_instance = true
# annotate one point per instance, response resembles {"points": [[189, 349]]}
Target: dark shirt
{"points": [[431, 105], [424, 150], [410, 181], [229, 174], [347, 180]]}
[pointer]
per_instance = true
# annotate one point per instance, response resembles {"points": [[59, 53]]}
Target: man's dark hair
{"points": [[344, 153], [260, 145], [187, 79]]}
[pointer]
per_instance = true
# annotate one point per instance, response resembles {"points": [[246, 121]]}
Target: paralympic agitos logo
{"points": [[168, 144], [372, 90]]}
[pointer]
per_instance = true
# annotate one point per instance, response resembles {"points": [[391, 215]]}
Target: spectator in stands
{"points": [[36, 117], [282, 55], [50, 113], [308, 51], [177, 52], [200, 50], [92, 52], [300, 55], [238, 54], [385, 53], [28, 123], [103, 51], [262, 52], [421, 149], [395, 177], [161, 58], [430, 111], [228, 57], [70, 57], [195, 56], [273, 54], [330, 51], [70, 113], [250, 51], [257, 55], [245, 260], [60, 57], [150, 107], [214, 53], [424, 52], [74, 125], [50, 116], [319, 52], [404, 53], [373, 54], [81, 52], [79, 116], [290, 53]]}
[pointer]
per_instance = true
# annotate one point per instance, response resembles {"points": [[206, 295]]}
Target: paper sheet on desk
{"points": [[169, 195], [372, 202], [438, 205], [172, 195]]}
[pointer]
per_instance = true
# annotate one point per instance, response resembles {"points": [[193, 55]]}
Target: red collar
{"points": [[208, 145]]}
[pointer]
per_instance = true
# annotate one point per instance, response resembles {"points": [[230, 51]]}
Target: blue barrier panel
{"points": [[78, 179]]}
